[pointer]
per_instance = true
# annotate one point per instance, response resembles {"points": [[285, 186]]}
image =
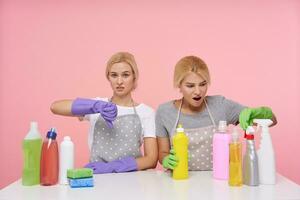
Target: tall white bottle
{"points": [[66, 159], [265, 154]]}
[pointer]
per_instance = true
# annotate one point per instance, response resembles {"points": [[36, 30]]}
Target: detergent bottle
{"points": [[221, 141], [49, 159], [250, 161], [180, 145], [235, 160], [66, 159], [31, 145], [265, 154]]}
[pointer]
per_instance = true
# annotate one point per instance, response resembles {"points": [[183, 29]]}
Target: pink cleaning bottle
{"points": [[221, 141]]}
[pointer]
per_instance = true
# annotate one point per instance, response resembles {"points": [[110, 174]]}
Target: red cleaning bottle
{"points": [[49, 159]]}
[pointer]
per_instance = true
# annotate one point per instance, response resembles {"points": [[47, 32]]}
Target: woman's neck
{"points": [[123, 100], [188, 108]]}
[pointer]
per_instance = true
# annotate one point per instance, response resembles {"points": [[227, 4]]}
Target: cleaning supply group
{"points": [[182, 134]]}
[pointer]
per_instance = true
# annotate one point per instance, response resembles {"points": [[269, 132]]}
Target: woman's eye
{"points": [[126, 75], [113, 75], [189, 86]]}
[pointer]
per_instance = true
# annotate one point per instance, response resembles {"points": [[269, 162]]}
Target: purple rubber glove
{"points": [[107, 110], [127, 164]]}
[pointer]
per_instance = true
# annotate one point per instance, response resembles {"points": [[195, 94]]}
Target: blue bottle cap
{"points": [[51, 134]]}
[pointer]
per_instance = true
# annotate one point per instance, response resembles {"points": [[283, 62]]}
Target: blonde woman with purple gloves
{"points": [[118, 125]]}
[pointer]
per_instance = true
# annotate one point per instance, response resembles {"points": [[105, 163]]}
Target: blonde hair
{"points": [[190, 64], [124, 57]]}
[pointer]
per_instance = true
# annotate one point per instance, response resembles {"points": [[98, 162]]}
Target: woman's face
{"points": [[193, 88], [121, 78]]}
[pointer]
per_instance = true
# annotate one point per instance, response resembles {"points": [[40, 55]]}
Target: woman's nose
{"points": [[197, 90], [120, 80]]}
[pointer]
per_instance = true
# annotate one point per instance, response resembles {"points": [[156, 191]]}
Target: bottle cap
{"points": [[51, 134], [179, 129], [235, 134], [67, 138], [222, 126], [249, 133]]}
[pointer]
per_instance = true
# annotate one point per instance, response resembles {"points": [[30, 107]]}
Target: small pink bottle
{"points": [[221, 142], [49, 159]]}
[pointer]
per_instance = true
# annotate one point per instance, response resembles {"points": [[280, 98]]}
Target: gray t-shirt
{"points": [[220, 108]]}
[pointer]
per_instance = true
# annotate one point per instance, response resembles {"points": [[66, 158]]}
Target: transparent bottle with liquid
{"points": [[49, 159], [250, 160], [31, 146], [235, 160], [221, 141], [180, 145]]}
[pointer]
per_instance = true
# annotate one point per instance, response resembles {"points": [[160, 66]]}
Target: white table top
{"points": [[154, 185]]}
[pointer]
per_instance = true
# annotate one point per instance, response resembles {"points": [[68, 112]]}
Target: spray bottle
{"points": [[66, 159], [32, 144], [221, 141], [180, 145], [265, 153], [250, 161], [235, 160], [49, 159]]}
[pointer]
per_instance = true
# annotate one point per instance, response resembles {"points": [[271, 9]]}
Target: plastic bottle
{"points": [[235, 160], [180, 145], [250, 161], [66, 159], [221, 141], [265, 154], [49, 159], [31, 145]]}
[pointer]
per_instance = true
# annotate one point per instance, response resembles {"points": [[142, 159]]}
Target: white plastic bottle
{"points": [[221, 141], [66, 159], [265, 154]]}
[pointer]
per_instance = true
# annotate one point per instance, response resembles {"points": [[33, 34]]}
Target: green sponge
{"points": [[80, 173]]}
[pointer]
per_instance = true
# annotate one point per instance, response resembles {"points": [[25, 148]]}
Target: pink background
{"points": [[51, 51]]}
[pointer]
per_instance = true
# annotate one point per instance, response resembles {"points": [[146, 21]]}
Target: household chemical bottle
{"points": [[180, 145], [265, 154], [66, 159], [250, 161], [221, 141], [235, 160], [49, 159], [31, 145]]}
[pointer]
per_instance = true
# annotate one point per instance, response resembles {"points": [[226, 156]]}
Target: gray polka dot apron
{"points": [[124, 139], [200, 143]]}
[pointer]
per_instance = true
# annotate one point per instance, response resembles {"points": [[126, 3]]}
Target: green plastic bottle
{"points": [[32, 145]]}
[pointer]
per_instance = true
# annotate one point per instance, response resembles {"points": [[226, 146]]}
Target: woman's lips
{"points": [[120, 88], [197, 98]]}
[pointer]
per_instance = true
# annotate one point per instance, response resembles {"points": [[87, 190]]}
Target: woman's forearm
{"points": [[62, 107], [149, 160]]}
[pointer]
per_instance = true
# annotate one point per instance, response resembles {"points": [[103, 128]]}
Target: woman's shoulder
{"points": [[215, 99], [167, 106], [145, 108], [101, 98]]}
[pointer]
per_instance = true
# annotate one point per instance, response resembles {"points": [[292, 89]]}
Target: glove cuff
{"points": [[81, 106], [127, 164]]}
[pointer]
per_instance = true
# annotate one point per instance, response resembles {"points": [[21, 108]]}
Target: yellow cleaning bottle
{"points": [[235, 160], [180, 145]]}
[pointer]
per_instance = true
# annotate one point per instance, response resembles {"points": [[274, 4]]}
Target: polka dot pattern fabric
{"points": [[124, 139], [200, 148]]}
